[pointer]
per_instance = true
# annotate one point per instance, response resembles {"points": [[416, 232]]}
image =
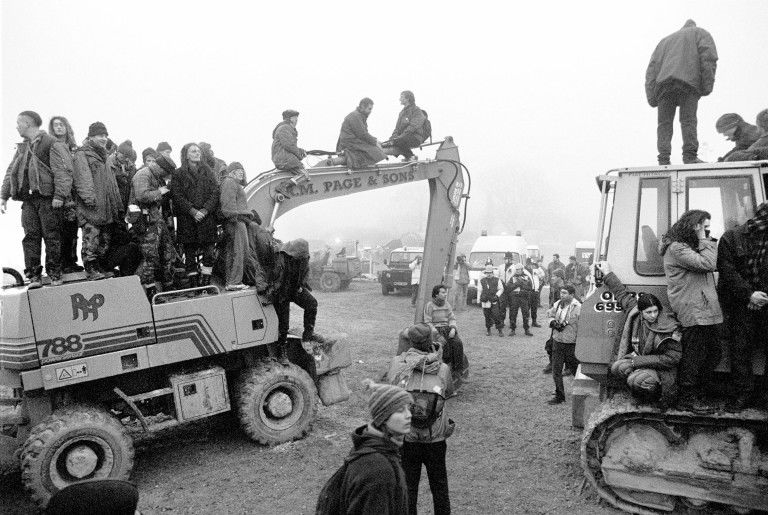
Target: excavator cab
{"points": [[639, 457]]}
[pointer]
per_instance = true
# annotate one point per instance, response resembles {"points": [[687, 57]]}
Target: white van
{"points": [[493, 248]]}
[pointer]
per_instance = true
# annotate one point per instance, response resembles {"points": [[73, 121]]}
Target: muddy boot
{"points": [[55, 278], [92, 272], [547, 369], [35, 277], [282, 189]]}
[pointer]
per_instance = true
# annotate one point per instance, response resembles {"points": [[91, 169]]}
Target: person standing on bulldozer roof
{"points": [[682, 70], [286, 155], [291, 285], [410, 129]]}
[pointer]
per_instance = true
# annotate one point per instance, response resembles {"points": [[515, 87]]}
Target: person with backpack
{"points": [[411, 130], [372, 479]]}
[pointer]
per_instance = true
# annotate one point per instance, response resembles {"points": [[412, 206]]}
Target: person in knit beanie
{"points": [[374, 481], [758, 149], [735, 129], [233, 208], [148, 154], [164, 148]]}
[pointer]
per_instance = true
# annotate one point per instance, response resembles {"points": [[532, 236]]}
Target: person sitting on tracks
{"points": [[735, 129], [291, 285], [237, 216], [649, 347], [286, 155], [410, 129], [742, 261], [148, 192], [439, 316], [195, 193], [759, 148], [565, 326], [359, 148]]}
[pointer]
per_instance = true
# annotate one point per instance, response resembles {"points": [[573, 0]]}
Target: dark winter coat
{"points": [[410, 121], [291, 270], [657, 346], [687, 56], [358, 145], [123, 176], [576, 274], [45, 162], [286, 155], [375, 480], [733, 251], [93, 180], [265, 248], [195, 190], [746, 135], [232, 201], [757, 150], [520, 285], [691, 281]]}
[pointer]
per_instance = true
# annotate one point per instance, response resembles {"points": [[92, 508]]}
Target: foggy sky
{"points": [[540, 98]]}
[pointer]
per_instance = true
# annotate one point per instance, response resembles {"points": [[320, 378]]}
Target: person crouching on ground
{"points": [[237, 216], [375, 481], [649, 348], [565, 325], [439, 316]]}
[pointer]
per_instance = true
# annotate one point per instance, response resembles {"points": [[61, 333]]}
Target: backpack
{"points": [[329, 501], [426, 127]]}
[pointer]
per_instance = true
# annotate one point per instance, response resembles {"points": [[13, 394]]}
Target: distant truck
{"points": [[492, 248], [397, 276]]}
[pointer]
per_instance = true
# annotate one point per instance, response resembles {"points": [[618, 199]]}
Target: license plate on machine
{"points": [[400, 283]]}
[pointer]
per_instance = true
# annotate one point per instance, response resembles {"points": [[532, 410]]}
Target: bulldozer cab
{"points": [[638, 206]]}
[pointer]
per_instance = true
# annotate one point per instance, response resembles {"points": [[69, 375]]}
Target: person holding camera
{"points": [[565, 325]]}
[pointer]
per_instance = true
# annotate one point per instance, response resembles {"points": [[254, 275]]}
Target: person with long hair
{"points": [[195, 194], [690, 258], [60, 128]]}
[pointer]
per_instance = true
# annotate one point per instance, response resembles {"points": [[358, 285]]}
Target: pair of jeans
{"points": [[701, 354], [562, 354], [668, 103], [432, 456], [41, 222], [306, 301]]}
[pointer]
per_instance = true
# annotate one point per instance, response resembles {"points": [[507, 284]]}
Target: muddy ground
{"points": [[511, 452]]}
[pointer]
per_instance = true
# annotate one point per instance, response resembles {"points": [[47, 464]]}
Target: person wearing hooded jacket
{"points": [[742, 261], [98, 183], [735, 129], [649, 347], [690, 257], [681, 70], [195, 194], [286, 154]]}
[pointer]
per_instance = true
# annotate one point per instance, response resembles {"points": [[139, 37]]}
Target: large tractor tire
{"points": [[330, 281], [276, 403], [75, 443]]}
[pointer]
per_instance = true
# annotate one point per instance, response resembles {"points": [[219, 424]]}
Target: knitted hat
{"points": [[163, 145], [762, 120], [385, 400], [234, 165], [166, 163], [488, 269], [289, 113], [126, 148], [97, 129], [419, 333], [149, 151], [728, 121]]}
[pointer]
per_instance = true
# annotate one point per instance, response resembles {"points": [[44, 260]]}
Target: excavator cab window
{"points": [[730, 200], [652, 223]]}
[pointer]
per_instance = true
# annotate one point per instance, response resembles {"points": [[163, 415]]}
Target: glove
{"points": [[622, 367]]}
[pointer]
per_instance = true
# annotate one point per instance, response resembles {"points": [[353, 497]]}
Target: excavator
{"points": [[87, 366], [641, 458]]}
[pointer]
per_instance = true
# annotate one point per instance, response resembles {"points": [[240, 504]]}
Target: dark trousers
{"points": [[668, 103], [492, 317], [562, 353], [192, 251], [432, 456], [239, 257], [414, 293], [41, 222], [521, 303], [453, 353], [404, 144], [701, 354], [69, 230], [747, 331], [554, 295], [535, 302], [306, 301]]}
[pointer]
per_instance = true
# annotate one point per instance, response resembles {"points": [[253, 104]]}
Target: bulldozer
{"points": [[86, 367], [639, 457]]}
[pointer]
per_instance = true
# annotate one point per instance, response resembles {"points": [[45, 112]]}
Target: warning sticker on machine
{"points": [[72, 372]]}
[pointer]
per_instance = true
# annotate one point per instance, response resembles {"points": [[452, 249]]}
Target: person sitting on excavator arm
{"points": [[649, 347], [410, 131], [286, 154], [359, 147], [438, 315], [291, 277]]}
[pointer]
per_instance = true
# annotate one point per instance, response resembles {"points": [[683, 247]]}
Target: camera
{"points": [[557, 326]]}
